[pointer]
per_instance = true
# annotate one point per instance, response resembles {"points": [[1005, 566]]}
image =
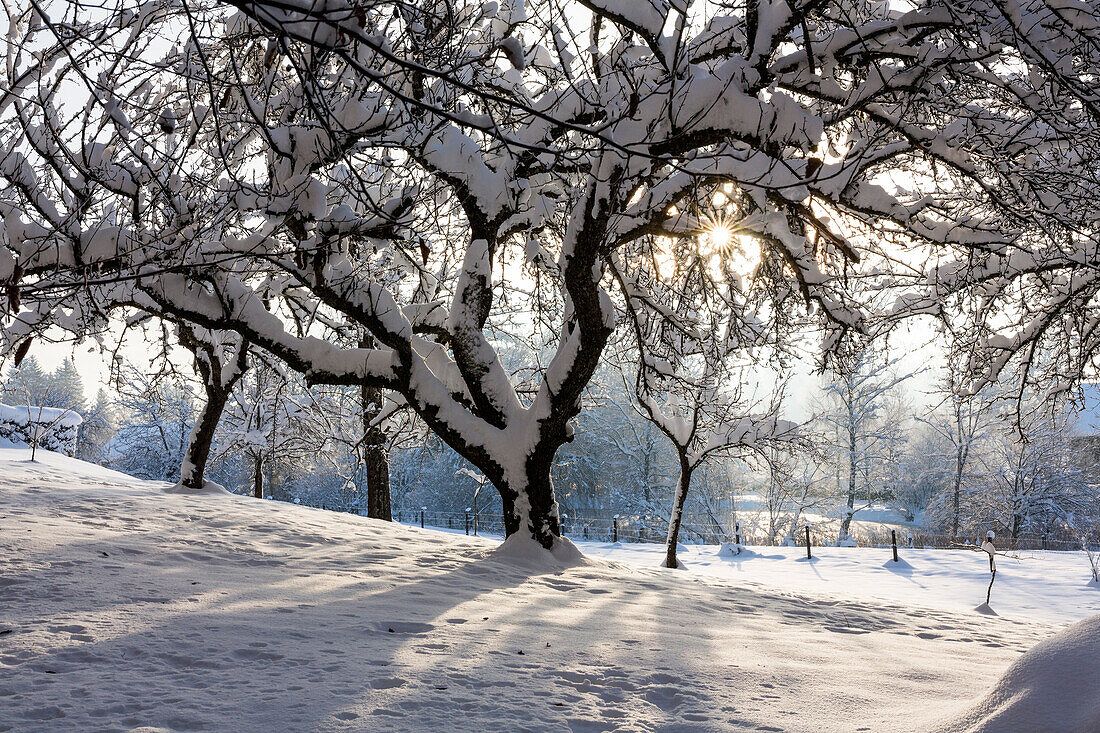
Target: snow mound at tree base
{"points": [[208, 487], [1054, 687], [900, 566], [522, 550]]}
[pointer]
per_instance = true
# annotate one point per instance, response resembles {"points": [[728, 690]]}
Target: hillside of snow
{"points": [[122, 607]]}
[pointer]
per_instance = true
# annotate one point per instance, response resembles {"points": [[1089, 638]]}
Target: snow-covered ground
{"points": [[125, 607], [1052, 587]]}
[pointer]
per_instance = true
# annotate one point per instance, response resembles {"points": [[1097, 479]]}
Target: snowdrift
{"points": [[1054, 687]]}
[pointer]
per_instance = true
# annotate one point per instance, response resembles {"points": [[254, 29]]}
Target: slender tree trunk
{"points": [[958, 491], [677, 517], [375, 461], [193, 468], [258, 476], [846, 522]]}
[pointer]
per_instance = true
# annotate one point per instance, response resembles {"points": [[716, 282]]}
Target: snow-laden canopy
{"points": [[372, 193]]}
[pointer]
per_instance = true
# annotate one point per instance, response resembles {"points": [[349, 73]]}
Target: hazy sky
{"points": [[911, 343]]}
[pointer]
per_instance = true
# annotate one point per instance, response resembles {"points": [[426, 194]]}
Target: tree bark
{"points": [[195, 458], [531, 507], [258, 476], [375, 461], [677, 518], [218, 378], [853, 463]]}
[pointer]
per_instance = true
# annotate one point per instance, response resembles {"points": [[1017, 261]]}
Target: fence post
{"points": [[615, 528], [422, 516], [467, 517], [894, 543], [737, 533], [809, 555]]}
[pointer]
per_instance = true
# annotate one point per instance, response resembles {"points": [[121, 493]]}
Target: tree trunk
{"points": [[193, 467], [218, 378], [677, 517], [375, 461], [846, 523], [258, 476], [959, 461], [531, 506]]}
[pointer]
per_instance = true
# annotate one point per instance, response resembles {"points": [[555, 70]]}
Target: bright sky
{"points": [[911, 342]]}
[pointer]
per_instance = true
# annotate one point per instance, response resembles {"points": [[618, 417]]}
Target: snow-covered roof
{"points": [[43, 415]]}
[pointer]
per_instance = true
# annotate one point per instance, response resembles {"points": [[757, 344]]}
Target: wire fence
{"points": [[706, 529]]}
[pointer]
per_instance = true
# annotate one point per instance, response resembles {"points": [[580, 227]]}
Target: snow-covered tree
{"points": [[856, 395], [66, 388], [27, 382], [276, 169], [693, 334], [98, 427], [795, 485], [272, 418], [156, 413], [1036, 485], [962, 423]]}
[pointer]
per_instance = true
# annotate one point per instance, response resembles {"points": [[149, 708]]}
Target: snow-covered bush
{"points": [[1093, 554], [50, 427]]}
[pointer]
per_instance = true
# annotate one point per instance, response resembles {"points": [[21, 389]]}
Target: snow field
{"points": [[1052, 587], [125, 607]]}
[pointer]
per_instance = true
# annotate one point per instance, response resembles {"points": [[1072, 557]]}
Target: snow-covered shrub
{"points": [[52, 428], [1093, 554]]}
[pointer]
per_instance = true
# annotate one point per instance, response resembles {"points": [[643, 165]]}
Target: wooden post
{"points": [[894, 543], [809, 555], [615, 528], [737, 533], [422, 516], [467, 517]]}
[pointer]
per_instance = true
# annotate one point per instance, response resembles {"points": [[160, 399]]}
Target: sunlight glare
{"points": [[719, 236]]}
